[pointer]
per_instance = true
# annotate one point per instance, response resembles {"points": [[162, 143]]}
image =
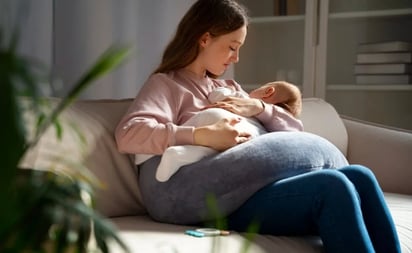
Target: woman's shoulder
{"points": [[161, 79], [160, 76], [158, 85]]}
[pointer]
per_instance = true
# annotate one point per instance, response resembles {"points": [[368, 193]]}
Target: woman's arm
{"points": [[272, 117], [221, 135], [275, 118], [147, 127], [150, 125]]}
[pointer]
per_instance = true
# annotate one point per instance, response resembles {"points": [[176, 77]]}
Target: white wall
{"points": [[84, 29], [33, 21], [36, 30]]}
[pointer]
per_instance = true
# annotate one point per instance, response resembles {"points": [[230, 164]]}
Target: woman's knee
{"points": [[337, 190], [335, 182], [358, 172], [331, 176]]}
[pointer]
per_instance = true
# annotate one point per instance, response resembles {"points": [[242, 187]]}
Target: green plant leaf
{"points": [[215, 215], [251, 233], [11, 134], [111, 59]]}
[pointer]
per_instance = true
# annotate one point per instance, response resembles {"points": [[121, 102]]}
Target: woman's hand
{"points": [[221, 135], [245, 107]]}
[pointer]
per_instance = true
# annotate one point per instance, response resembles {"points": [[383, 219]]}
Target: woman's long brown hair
{"points": [[218, 17]]}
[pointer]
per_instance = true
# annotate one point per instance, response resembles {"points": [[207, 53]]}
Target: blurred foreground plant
{"points": [[43, 210], [219, 221]]}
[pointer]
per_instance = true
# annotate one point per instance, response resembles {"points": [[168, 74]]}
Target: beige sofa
{"points": [[387, 151]]}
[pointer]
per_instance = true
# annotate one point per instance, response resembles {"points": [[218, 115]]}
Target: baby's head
{"points": [[280, 93]]}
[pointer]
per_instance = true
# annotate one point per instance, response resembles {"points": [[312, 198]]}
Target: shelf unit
{"points": [[371, 14], [354, 16], [277, 19], [260, 60], [320, 45], [389, 104], [366, 87]]}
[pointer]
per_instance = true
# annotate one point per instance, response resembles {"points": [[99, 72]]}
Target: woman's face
{"points": [[217, 53]]}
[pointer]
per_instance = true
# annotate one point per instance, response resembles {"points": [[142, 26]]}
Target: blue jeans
{"points": [[346, 207]]}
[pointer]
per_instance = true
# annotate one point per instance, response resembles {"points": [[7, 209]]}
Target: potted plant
{"points": [[41, 210]]}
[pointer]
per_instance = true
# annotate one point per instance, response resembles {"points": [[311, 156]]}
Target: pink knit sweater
{"points": [[153, 121]]}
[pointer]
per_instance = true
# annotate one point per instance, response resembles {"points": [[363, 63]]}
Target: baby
{"points": [[279, 93]]}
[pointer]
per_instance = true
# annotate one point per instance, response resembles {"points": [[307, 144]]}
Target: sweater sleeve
{"points": [[147, 127], [275, 118]]}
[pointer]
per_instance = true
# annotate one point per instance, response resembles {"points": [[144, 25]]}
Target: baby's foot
{"points": [[177, 156]]}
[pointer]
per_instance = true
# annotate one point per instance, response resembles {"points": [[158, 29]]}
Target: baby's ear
{"points": [[269, 91]]}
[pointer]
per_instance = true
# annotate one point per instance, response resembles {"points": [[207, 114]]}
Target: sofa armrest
{"points": [[387, 151]]}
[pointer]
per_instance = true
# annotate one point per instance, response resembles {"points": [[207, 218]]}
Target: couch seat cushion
{"points": [[144, 235]]}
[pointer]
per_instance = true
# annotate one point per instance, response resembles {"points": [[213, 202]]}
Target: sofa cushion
{"points": [[385, 149], [321, 118], [94, 122], [142, 234]]}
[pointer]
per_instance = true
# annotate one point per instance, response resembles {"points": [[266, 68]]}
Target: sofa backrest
{"points": [[321, 118], [93, 121], [96, 120]]}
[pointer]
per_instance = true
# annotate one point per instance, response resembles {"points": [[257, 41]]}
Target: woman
{"points": [[276, 179]]}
